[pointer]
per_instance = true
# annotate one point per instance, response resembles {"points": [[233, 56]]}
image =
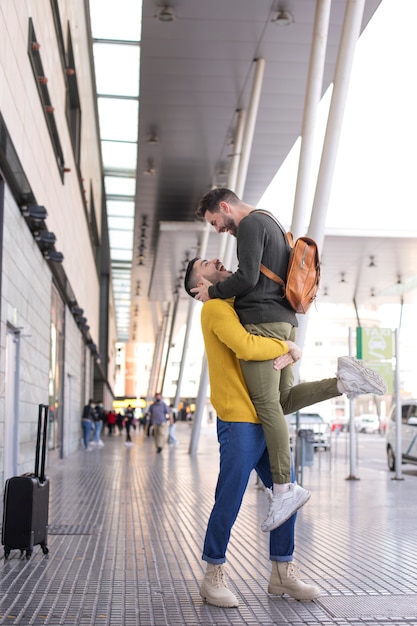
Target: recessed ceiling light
{"points": [[166, 14], [283, 18]]}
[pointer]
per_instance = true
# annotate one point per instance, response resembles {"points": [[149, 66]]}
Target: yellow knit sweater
{"points": [[226, 341]]}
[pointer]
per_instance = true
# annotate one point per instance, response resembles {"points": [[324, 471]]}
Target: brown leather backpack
{"points": [[303, 274]]}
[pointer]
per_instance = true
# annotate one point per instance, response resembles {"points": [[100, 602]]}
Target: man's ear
{"points": [[224, 206]]}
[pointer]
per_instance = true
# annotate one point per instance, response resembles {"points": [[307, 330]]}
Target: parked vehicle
{"points": [[310, 421], [367, 423], [408, 434], [339, 424]]}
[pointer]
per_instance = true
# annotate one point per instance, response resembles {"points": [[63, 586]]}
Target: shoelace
{"points": [[218, 577], [293, 571]]}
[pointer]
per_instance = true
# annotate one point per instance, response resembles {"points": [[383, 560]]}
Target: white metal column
{"points": [[398, 410], [311, 105], [11, 414], [350, 33], [247, 142], [246, 131]]}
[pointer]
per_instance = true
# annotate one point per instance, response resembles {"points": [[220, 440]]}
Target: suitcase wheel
{"points": [[45, 548], [6, 552]]}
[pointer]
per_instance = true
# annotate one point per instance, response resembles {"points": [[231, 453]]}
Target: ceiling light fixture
{"points": [[152, 136], [166, 14], [283, 18]]}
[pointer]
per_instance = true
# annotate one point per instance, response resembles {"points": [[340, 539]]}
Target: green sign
{"points": [[374, 344], [384, 368]]}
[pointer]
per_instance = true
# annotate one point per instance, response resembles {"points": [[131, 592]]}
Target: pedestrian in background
{"points": [[111, 422], [119, 422], [99, 417], [159, 415], [129, 417], [87, 420], [172, 425]]}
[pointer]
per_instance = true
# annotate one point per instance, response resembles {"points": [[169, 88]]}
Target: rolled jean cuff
{"points": [[281, 559], [213, 561]]}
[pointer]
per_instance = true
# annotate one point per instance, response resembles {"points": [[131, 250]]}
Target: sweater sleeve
{"points": [[222, 320], [250, 240]]}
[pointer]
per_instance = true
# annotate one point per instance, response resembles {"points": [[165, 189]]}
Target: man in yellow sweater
{"points": [[241, 438]]}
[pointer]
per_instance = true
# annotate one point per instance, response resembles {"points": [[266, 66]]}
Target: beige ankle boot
{"points": [[285, 578], [214, 589]]}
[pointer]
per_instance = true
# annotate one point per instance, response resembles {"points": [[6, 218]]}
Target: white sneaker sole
{"points": [[374, 380], [273, 525]]}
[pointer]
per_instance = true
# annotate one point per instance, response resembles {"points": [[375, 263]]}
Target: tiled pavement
{"points": [[127, 528]]}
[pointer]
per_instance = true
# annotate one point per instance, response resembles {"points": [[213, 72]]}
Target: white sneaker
{"points": [[356, 379], [283, 505]]}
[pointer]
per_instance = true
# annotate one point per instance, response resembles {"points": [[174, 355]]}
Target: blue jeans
{"points": [[97, 430], [86, 426], [242, 449]]}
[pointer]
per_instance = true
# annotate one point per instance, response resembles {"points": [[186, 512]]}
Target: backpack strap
{"points": [[272, 216], [270, 274], [290, 243]]}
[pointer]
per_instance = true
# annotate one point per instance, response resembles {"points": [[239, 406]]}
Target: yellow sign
{"points": [[124, 403]]}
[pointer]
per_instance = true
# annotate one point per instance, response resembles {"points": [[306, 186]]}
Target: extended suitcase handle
{"points": [[41, 446]]}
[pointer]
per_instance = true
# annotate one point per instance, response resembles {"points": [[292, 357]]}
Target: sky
{"points": [[375, 182]]}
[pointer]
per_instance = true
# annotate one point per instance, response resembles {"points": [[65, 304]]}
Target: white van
{"points": [[408, 434]]}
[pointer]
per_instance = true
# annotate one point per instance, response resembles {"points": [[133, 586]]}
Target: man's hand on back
{"points": [[201, 291]]}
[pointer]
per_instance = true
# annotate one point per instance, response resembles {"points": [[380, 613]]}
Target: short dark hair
{"points": [[210, 201], [190, 280]]}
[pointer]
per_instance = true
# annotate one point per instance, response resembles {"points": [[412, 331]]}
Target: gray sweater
{"points": [[258, 299]]}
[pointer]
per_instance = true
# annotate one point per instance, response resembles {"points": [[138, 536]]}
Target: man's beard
{"points": [[231, 227]]}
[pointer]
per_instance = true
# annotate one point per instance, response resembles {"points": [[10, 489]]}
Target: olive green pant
{"points": [[274, 396]]}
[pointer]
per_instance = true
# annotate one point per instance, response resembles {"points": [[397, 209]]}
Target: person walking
{"points": [[158, 417], [119, 422], [111, 421], [172, 426], [129, 416], [99, 417], [87, 421], [263, 309]]}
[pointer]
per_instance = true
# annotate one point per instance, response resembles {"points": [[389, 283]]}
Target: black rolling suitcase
{"points": [[26, 502]]}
